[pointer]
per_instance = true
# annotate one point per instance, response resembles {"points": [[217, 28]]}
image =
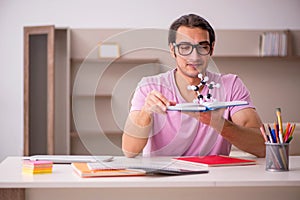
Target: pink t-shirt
{"points": [[178, 134]]}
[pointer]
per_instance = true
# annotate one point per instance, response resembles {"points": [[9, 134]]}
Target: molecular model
{"points": [[203, 98]]}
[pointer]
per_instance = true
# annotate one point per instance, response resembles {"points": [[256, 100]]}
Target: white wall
{"points": [[14, 14]]}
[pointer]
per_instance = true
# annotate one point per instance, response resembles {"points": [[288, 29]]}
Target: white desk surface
{"points": [[235, 176]]}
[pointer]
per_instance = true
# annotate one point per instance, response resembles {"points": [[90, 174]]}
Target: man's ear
{"points": [[172, 50], [212, 48]]}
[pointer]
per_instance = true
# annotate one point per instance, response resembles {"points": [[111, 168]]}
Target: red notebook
{"points": [[215, 160]]}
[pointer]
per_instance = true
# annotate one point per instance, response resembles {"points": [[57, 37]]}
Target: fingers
{"points": [[172, 103], [156, 102], [205, 117], [212, 118]]}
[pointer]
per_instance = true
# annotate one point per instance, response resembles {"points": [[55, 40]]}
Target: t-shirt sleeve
{"points": [[240, 92], [140, 94]]}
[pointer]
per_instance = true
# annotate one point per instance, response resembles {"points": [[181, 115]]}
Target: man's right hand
{"points": [[156, 103]]}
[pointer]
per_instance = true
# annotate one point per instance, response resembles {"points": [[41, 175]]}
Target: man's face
{"points": [[194, 63]]}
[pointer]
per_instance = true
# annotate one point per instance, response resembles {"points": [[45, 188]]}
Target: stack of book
{"points": [[274, 43], [36, 167]]}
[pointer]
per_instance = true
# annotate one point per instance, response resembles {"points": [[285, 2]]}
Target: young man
{"points": [[157, 132]]}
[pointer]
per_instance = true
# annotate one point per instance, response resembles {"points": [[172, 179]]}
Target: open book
{"points": [[206, 106], [148, 168]]}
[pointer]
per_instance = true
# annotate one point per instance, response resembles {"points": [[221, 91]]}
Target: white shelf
{"points": [[121, 60]]}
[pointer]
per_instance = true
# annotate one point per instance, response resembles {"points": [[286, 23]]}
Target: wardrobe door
{"points": [[38, 90]]}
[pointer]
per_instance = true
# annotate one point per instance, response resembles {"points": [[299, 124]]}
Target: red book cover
{"points": [[215, 160]]}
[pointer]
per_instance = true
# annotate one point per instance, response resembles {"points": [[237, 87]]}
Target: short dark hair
{"points": [[192, 21]]}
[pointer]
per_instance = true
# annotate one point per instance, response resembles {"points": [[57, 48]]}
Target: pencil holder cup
{"points": [[277, 157]]}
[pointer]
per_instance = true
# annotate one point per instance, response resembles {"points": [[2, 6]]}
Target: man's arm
{"points": [[136, 132], [139, 123], [243, 131]]}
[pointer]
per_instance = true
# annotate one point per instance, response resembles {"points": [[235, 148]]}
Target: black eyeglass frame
{"points": [[193, 47]]}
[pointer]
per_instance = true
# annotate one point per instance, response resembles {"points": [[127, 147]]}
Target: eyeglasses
{"points": [[186, 48]]}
